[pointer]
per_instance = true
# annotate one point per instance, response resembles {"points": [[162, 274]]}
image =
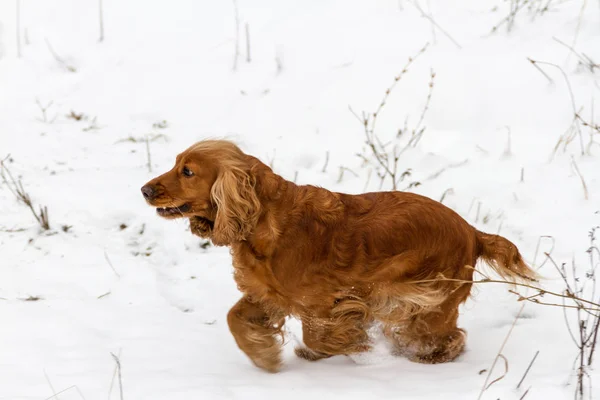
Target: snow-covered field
{"points": [[112, 277]]}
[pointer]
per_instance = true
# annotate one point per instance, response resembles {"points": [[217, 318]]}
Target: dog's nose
{"points": [[148, 192]]}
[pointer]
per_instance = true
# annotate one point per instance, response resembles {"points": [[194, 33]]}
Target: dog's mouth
{"points": [[173, 211]]}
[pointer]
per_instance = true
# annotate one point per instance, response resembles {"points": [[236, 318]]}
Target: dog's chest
{"points": [[254, 277]]}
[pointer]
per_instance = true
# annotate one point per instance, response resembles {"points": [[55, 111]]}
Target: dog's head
{"points": [[212, 181]]}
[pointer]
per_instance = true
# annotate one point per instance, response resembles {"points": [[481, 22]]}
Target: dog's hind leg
{"points": [[431, 336], [341, 332]]}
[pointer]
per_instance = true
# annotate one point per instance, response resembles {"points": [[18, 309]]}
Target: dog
{"points": [[338, 262]]}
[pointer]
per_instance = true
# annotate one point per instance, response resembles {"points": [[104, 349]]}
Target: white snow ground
{"points": [[164, 305]]}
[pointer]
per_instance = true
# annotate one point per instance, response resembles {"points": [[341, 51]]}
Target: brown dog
{"points": [[337, 262]]}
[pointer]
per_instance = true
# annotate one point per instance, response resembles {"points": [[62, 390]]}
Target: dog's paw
{"points": [[308, 354]]}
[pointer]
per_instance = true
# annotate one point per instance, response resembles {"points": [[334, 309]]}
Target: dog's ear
{"points": [[238, 207]]}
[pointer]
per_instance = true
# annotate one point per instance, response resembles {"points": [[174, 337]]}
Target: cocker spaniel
{"points": [[338, 262]]}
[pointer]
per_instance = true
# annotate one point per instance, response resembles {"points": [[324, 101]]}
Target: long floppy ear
{"points": [[238, 207]]}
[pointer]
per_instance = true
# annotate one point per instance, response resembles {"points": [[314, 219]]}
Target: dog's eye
{"points": [[187, 172]]}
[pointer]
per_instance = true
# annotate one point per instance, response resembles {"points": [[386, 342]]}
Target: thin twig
{"points": [[585, 189], [118, 362], [149, 163], [17, 189], [583, 5], [50, 384], [43, 109], [111, 265], [528, 368], [582, 58], [101, 16], [326, 162], [237, 35], [411, 60], [18, 16], [499, 355], [541, 70], [114, 376], [64, 390], [596, 306], [449, 166], [430, 18], [248, 58], [572, 97], [446, 192], [62, 62], [525, 394]]}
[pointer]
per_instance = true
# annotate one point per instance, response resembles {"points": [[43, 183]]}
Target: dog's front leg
{"points": [[258, 333]]}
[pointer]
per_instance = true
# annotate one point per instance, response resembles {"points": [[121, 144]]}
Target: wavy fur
{"points": [[340, 263]]}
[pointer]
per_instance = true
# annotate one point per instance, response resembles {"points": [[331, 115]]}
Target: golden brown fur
{"points": [[337, 262]]}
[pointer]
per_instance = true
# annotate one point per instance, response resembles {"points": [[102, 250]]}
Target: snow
{"points": [[161, 307]]}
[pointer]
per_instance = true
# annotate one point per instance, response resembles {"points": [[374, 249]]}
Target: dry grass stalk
{"points": [[585, 189], [44, 110], [384, 160], [59, 59], [101, 20], [17, 189], [18, 24], [236, 54], [585, 335], [433, 23], [574, 129], [527, 370], [118, 373]]}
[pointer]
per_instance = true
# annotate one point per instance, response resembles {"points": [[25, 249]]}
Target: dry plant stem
{"points": [[44, 110], [583, 59], [18, 17], [101, 17], [585, 189], [583, 5], [118, 362], [525, 394], [62, 62], [326, 162], [527, 370], [499, 355], [509, 19], [582, 340], [595, 330], [236, 55], [20, 194], [391, 88], [383, 160], [507, 150], [368, 180], [51, 386], [433, 23], [342, 170], [446, 193], [417, 132], [53, 397], [449, 166], [592, 306], [114, 376], [541, 70], [566, 78], [248, 58], [148, 155], [111, 265]]}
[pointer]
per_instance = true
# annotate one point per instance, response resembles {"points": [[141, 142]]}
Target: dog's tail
{"points": [[504, 258]]}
